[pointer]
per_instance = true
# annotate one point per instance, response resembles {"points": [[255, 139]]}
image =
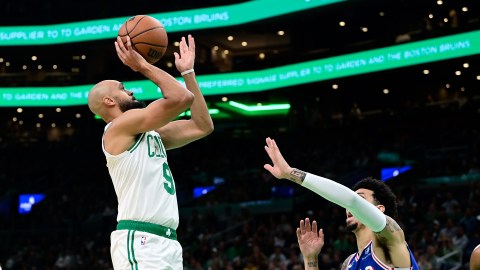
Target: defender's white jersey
{"points": [[143, 182]]}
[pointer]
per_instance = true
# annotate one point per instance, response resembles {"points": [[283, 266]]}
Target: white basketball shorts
{"points": [[139, 250]]}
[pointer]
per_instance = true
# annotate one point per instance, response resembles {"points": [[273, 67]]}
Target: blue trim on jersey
{"points": [[367, 260]]}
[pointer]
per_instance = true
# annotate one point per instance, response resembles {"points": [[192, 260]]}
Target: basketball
{"points": [[148, 36]]}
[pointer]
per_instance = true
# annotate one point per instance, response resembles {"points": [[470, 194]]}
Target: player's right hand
{"points": [[128, 55]]}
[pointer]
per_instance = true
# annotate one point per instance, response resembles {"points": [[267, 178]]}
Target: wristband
{"points": [[187, 72]]}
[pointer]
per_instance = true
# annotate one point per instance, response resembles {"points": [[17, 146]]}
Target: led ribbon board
{"points": [[414, 53], [194, 19]]}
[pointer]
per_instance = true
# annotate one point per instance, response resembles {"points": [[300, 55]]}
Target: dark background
{"points": [[427, 121]]}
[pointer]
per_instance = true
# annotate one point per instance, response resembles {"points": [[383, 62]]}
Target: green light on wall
{"points": [[210, 111], [256, 110]]}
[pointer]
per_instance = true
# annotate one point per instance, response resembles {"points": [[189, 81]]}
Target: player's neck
{"points": [[363, 235]]}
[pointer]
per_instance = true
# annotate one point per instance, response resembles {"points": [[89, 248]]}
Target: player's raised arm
{"points": [[176, 98], [200, 124], [328, 189]]}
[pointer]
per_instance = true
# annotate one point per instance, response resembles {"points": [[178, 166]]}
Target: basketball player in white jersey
{"points": [[134, 142], [380, 240], [475, 259]]}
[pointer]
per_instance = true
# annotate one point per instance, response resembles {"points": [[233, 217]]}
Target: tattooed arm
{"points": [[310, 264], [339, 194], [392, 238]]}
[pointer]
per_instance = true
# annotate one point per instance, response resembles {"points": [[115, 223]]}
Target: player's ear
{"points": [[381, 207], [108, 101]]}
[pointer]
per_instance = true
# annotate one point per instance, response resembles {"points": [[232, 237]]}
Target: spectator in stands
{"points": [[460, 239], [450, 203], [431, 257], [258, 258], [449, 229], [277, 257]]}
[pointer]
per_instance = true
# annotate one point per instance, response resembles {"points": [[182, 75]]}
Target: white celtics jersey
{"points": [[143, 182]]}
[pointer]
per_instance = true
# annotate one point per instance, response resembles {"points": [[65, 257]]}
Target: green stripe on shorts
{"points": [[147, 227], [130, 241]]}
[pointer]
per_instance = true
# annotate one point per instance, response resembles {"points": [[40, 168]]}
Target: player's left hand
{"points": [[309, 239], [185, 59]]}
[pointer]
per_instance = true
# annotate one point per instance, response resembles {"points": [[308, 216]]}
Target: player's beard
{"points": [[126, 105], [351, 227]]}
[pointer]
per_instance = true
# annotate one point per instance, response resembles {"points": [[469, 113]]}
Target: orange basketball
{"points": [[148, 36]]}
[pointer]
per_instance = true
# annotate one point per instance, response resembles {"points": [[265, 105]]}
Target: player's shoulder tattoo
{"points": [[392, 225]]}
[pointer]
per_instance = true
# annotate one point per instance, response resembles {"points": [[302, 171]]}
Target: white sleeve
{"points": [[360, 208]]}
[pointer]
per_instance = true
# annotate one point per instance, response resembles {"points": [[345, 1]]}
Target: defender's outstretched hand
{"points": [[280, 168], [309, 239]]}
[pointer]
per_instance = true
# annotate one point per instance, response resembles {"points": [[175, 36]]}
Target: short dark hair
{"points": [[381, 193]]}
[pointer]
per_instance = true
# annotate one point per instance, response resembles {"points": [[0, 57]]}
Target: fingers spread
{"points": [[183, 45], [191, 43], [302, 226], [307, 225], [268, 167], [274, 145]]}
